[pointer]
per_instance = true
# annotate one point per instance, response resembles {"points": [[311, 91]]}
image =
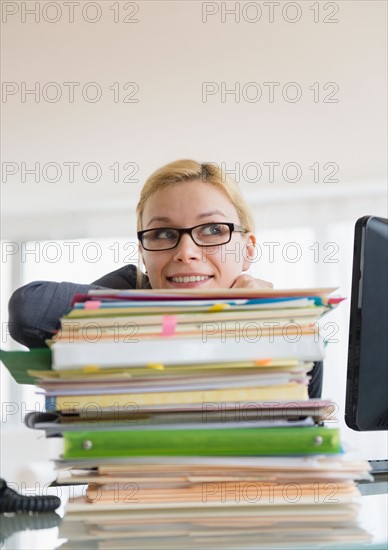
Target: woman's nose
{"points": [[187, 250]]}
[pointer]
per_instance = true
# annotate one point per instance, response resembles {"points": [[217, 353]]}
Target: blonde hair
{"points": [[186, 170]]}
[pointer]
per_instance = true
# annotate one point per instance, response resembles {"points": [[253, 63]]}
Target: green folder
{"points": [[19, 362], [199, 442]]}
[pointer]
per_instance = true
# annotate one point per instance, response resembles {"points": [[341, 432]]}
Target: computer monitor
{"points": [[367, 376]]}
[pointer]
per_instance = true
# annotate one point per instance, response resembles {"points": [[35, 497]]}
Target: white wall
{"points": [[169, 54]]}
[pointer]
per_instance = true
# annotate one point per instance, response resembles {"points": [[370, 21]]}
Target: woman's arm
{"points": [[35, 309]]}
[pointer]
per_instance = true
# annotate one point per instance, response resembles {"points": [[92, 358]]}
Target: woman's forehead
{"points": [[186, 201]]}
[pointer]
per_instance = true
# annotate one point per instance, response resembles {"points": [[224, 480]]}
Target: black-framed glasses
{"points": [[205, 234]]}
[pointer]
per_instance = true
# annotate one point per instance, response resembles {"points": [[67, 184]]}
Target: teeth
{"points": [[191, 279]]}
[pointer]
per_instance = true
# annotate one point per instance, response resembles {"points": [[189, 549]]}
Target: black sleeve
{"points": [[315, 385], [123, 278], [35, 309]]}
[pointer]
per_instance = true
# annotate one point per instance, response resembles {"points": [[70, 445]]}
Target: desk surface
{"points": [[372, 517]]}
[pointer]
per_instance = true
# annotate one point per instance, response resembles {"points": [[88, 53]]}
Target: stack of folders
{"points": [[187, 417]]}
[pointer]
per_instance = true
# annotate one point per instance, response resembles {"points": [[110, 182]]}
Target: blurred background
{"points": [[288, 97]]}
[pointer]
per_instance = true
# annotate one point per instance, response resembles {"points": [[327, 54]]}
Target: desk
{"points": [[373, 514]]}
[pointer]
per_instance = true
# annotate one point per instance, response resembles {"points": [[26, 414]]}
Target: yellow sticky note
{"points": [[218, 307], [91, 368], [155, 366]]}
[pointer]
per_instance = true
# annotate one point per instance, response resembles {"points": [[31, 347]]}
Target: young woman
{"points": [[195, 231]]}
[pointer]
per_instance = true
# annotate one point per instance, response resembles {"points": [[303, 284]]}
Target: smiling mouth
{"points": [[190, 279]]}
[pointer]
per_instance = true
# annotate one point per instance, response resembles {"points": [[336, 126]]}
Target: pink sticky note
{"points": [[92, 304], [168, 325]]}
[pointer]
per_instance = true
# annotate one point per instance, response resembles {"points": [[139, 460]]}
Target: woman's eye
{"points": [[213, 229], [167, 234]]}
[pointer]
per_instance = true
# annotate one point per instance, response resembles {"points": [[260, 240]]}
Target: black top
{"points": [[35, 309]]}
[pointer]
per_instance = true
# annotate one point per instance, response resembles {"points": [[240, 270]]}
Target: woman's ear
{"points": [[249, 252]]}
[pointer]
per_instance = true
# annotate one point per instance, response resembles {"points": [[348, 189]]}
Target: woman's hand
{"points": [[247, 281]]}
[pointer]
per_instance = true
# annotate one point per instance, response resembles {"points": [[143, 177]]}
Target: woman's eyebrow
{"points": [[159, 219], [164, 219], [210, 213]]}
